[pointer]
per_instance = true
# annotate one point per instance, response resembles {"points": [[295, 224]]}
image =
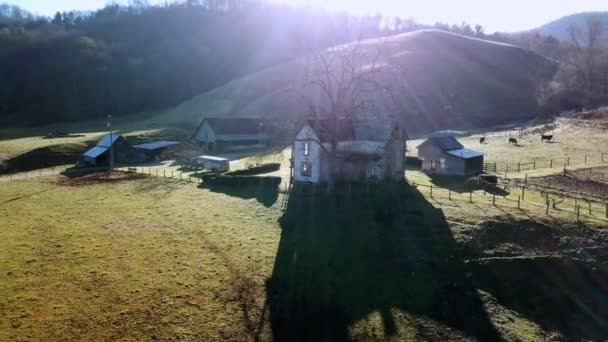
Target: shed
{"points": [[213, 163], [217, 133], [444, 155], [123, 152], [156, 148]]}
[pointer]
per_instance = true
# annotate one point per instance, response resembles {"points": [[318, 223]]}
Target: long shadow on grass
{"points": [[345, 257], [266, 194]]}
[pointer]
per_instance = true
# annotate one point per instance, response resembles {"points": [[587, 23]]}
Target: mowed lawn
{"points": [[153, 258]]}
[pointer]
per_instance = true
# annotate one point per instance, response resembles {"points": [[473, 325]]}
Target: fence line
{"points": [[591, 209], [546, 163]]}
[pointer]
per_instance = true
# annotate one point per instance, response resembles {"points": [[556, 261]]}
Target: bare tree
{"points": [[587, 44], [339, 86]]}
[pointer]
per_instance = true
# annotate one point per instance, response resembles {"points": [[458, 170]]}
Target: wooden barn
{"points": [[157, 150], [444, 155], [371, 150], [220, 133], [124, 153]]}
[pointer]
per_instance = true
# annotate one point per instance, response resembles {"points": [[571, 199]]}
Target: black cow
{"points": [[482, 140], [513, 141], [546, 137]]}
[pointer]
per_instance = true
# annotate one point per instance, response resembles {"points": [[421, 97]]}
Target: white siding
{"points": [[317, 157]]}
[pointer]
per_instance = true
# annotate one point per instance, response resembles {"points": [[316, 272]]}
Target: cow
{"points": [[546, 137], [482, 140], [513, 141]]}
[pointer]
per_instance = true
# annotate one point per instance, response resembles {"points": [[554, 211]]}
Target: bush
{"points": [[256, 170], [242, 180]]}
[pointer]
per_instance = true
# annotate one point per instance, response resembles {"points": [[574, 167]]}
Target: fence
{"points": [[524, 196], [36, 173], [543, 163]]}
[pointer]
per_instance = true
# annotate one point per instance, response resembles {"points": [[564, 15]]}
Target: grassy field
{"points": [[152, 258]]}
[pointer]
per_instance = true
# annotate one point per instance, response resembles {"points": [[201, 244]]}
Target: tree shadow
{"points": [[560, 294], [265, 193], [368, 251]]}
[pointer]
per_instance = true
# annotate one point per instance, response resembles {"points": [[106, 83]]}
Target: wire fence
{"points": [[522, 197], [545, 163], [51, 171]]}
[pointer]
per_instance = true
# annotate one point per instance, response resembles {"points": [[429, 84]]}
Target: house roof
{"points": [[234, 125], [444, 143], [102, 146], [371, 130], [465, 153], [156, 145]]}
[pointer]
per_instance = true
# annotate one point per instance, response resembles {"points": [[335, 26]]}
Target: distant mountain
{"points": [[440, 81], [559, 28]]}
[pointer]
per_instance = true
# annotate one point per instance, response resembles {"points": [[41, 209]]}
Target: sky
{"points": [[503, 15]]}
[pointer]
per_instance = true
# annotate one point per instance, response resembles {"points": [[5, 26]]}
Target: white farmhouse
{"points": [[367, 150]]}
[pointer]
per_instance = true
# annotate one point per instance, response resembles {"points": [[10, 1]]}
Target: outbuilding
{"points": [[213, 163], [444, 155], [156, 149], [220, 133], [117, 145]]}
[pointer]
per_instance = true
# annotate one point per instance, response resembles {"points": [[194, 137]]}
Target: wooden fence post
{"points": [[551, 164], [607, 210], [585, 159], [578, 212], [431, 191], [507, 171], [494, 199], [450, 194], [523, 193], [526, 179], [534, 164], [471, 196], [589, 207], [518, 202], [568, 161], [518, 167], [547, 212]]}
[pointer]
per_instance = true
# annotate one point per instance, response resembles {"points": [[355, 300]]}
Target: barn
{"points": [[156, 150], [215, 134], [123, 152], [444, 155], [367, 151]]}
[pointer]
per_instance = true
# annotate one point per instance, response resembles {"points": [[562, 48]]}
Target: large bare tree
{"points": [[339, 85]]}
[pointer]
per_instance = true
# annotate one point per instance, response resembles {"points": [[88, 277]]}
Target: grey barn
{"points": [[123, 152], [444, 155], [217, 133], [367, 151]]}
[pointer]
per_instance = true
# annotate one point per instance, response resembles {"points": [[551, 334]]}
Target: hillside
{"points": [[439, 80], [559, 28]]}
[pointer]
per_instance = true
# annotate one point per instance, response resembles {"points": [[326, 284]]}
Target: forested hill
{"points": [[127, 59], [560, 28]]}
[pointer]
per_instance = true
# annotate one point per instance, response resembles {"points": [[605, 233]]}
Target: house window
{"points": [[442, 162], [306, 169], [306, 148]]}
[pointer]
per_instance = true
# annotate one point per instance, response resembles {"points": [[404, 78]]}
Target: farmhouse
{"points": [[367, 150], [444, 155], [219, 133], [123, 152]]}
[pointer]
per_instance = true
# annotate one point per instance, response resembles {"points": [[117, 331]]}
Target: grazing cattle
{"points": [[513, 141], [546, 137], [482, 140]]}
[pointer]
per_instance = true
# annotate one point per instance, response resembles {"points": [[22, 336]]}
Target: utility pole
{"points": [[261, 132], [111, 143]]}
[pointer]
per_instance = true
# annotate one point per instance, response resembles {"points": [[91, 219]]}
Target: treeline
{"points": [[124, 59]]}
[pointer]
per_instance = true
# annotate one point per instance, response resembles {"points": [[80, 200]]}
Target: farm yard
{"points": [[156, 254]]}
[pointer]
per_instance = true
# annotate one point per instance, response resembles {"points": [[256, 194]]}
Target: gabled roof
{"points": [[444, 143], [103, 145], [377, 130], [96, 151], [233, 125], [465, 153], [156, 145], [107, 142]]}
